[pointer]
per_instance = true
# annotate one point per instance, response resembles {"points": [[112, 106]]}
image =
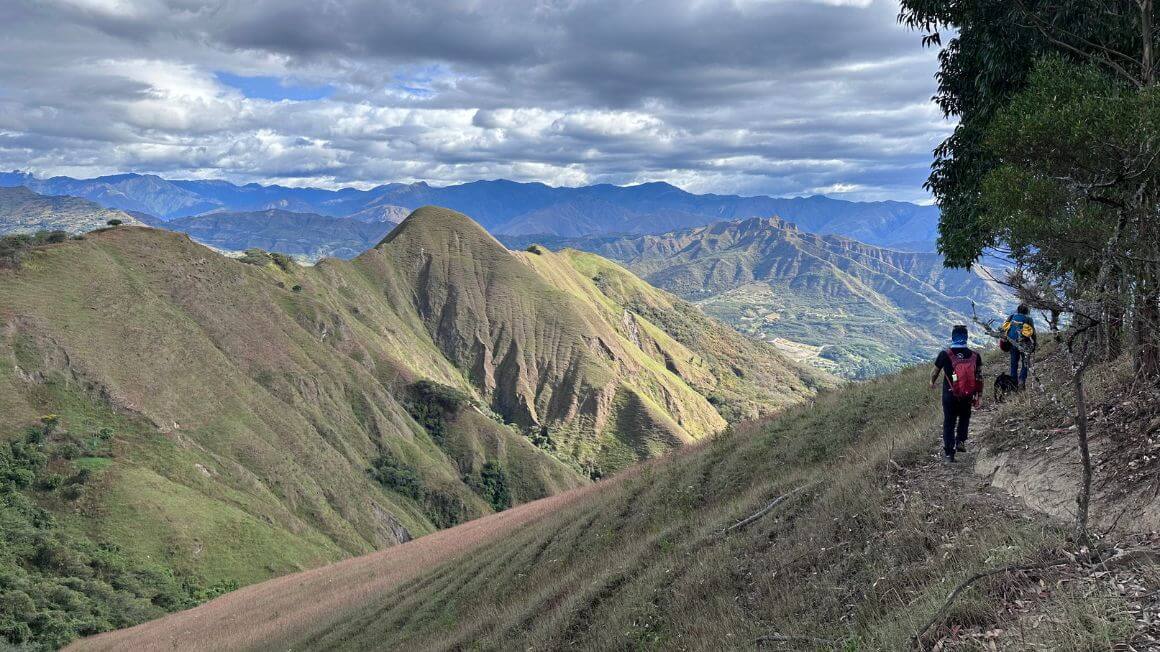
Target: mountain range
{"points": [[852, 308], [169, 412], [507, 207]]}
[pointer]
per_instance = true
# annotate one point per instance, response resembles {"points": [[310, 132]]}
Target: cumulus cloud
{"points": [[752, 96]]}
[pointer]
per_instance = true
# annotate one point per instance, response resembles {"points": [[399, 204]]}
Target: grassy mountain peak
{"points": [[218, 421]]}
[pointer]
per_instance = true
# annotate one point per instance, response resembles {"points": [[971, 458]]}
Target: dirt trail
{"points": [[290, 607]]}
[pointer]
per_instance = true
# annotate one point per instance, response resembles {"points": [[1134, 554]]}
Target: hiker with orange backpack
{"points": [[962, 371], [1019, 340]]}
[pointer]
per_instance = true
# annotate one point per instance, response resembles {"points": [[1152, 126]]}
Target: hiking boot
{"points": [[961, 447], [948, 458]]}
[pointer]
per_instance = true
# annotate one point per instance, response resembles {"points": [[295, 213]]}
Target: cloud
{"points": [[753, 96]]}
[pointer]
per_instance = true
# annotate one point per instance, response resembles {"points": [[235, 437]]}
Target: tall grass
{"points": [[861, 559]]}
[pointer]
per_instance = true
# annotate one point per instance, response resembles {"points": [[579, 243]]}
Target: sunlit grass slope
{"points": [[858, 560], [223, 421]]}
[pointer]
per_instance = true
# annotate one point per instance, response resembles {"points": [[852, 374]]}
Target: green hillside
{"points": [[848, 307], [830, 526], [220, 421]]}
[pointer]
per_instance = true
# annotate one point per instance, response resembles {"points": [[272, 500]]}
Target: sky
{"points": [[772, 97]]}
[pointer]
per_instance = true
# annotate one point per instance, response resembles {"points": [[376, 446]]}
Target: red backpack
{"points": [[964, 381]]}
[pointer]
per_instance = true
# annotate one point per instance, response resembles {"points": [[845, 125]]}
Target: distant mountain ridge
{"points": [[508, 207], [854, 308], [307, 235], [24, 211]]}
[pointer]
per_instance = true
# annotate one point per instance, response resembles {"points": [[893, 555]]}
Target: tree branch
{"points": [[1014, 568]]}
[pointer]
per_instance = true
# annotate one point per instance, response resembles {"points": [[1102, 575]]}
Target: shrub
{"points": [[258, 257], [397, 476], [54, 237], [431, 403], [284, 262], [492, 486], [56, 585], [49, 481], [443, 508], [115, 222], [296, 288], [68, 451]]}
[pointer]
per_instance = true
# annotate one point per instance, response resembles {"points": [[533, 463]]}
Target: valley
{"points": [[220, 421], [845, 306]]}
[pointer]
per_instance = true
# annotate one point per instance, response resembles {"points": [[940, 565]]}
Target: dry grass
{"points": [[861, 560]]}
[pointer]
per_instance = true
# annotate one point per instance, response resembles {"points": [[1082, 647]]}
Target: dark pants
{"points": [[956, 420], [1016, 372]]}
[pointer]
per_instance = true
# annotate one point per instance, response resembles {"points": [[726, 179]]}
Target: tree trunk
{"points": [[1083, 498], [1147, 336], [1147, 67]]}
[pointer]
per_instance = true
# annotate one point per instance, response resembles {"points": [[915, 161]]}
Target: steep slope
{"points": [[854, 308], [831, 526], [307, 235], [511, 208], [551, 351], [23, 211], [177, 422]]}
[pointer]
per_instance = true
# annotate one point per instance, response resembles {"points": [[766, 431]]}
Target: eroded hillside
{"points": [[223, 421], [856, 309]]}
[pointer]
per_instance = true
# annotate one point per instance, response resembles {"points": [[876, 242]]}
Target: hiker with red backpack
{"points": [[962, 371]]}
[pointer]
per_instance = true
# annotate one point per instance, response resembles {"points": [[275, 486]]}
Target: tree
{"points": [[990, 60]]}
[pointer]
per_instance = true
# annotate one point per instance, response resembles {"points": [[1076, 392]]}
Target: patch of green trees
{"points": [[55, 583]]}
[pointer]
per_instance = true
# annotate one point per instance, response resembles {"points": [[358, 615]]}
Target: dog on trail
{"points": [[1005, 384]]}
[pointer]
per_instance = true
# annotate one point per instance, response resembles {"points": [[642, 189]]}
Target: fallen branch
{"points": [[775, 637], [767, 509], [1014, 568]]}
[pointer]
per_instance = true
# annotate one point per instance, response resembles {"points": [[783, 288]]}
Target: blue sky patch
{"points": [[274, 88]]}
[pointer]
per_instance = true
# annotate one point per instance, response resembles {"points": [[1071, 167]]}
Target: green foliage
{"points": [[989, 60], [431, 403], [14, 247], [1056, 196], [257, 257], [492, 486], [284, 262], [443, 508], [114, 222], [397, 476], [56, 585]]}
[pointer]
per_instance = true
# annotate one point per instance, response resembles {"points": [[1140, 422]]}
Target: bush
{"points": [[492, 486], [397, 476], [443, 508], [56, 585], [431, 403], [257, 257], [296, 288], [115, 222], [284, 262]]}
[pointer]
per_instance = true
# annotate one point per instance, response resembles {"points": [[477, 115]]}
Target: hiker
{"points": [[962, 371], [1019, 333]]}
